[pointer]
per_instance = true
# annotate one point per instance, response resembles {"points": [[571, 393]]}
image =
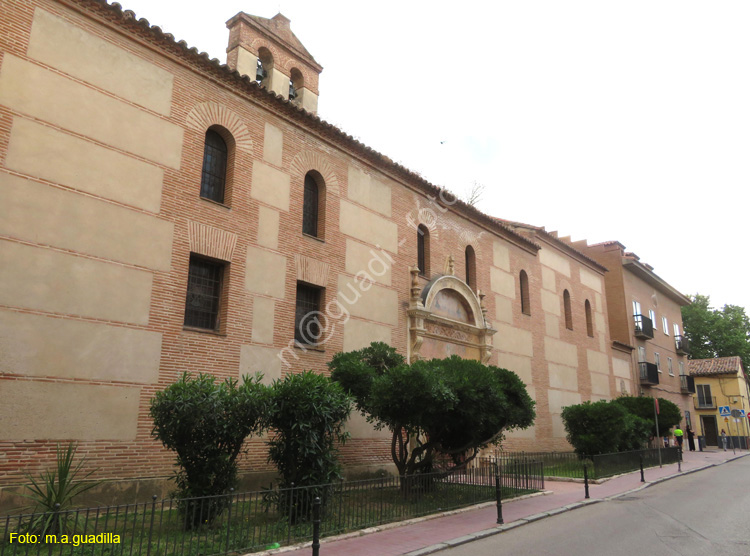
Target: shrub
{"points": [[595, 427], [307, 414], [643, 407], [206, 424]]}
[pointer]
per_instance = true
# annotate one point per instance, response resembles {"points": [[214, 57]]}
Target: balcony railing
{"points": [[681, 344], [687, 384], [649, 373], [705, 403], [644, 328]]}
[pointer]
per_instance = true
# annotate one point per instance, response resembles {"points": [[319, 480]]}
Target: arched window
{"points": [[589, 321], [214, 175], [423, 249], [568, 310], [471, 268], [314, 199], [264, 70], [296, 82], [523, 280]]}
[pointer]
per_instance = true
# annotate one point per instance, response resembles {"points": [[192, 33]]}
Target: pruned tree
{"points": [[670, 414], [440, 412]]}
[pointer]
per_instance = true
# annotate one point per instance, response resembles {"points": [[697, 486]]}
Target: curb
{"points": [[392, 525], [536, 517]]}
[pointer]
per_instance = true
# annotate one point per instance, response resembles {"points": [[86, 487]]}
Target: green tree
{"points": [[643, 408], [206, 423], [716, 332], [441, 411]]}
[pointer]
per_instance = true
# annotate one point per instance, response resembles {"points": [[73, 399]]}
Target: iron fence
{"points": [[555, 464], [607, 465], [251, 521]]}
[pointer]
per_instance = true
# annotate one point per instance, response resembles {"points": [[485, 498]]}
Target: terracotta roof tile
{"points": [[716, 366]]}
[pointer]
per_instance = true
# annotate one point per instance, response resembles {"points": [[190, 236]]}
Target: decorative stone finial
{"points": [[449, 266]]}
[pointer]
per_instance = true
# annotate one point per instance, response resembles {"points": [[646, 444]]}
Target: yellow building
{"points": [[721, 384]]}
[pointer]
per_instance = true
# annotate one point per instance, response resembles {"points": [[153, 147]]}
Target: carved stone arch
{"points": [[309, 160], [447, 318], [433, 290], [207, 114]]}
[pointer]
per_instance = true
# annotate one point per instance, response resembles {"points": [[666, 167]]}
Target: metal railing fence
{"points": [[607, 465], [251, 521]]}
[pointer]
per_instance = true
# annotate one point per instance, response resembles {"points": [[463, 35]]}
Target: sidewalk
{"points": [[434, 533]]}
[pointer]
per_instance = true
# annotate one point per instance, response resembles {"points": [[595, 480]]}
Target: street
{"points": [[700, 514]]}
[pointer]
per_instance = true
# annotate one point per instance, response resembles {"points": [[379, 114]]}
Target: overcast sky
{"points": [[603, 120]]}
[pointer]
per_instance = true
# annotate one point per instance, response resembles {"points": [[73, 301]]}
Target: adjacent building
{"points": [[649, 349], [722, 400]]}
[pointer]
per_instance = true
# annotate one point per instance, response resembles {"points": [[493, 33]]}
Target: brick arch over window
{"points": [[307, 161], [208, 114], [568, 310]]}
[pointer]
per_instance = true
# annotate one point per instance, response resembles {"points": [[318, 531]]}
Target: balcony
{"points": [[649, 373], [705, 403], [687, 384], [644, 328], [682, 346]]}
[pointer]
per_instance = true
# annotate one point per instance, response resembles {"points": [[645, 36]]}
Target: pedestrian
{"points": [[691, 438], [724, 439], [678, 436], [666, 441]]}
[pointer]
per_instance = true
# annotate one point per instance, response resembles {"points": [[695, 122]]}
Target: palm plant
{"points": [[54, 491]]}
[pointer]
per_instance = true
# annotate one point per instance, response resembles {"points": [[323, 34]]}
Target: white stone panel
{"points": [[43, 152], [50, 97], [67, 411], [265, 273], [47, 280], [76, 52], [36, 345]]}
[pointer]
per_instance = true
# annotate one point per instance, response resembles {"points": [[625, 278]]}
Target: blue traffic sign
{"points": [[724, 411]]}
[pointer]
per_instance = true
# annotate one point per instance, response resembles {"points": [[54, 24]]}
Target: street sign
{"points": [[726, 419], [736, 413], [724, 411], [742, 412]]}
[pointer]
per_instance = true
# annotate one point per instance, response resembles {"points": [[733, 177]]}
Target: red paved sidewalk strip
{"points": [[428, 535]]}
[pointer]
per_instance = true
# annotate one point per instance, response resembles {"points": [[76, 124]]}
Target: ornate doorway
{"points": [[447, 318]]}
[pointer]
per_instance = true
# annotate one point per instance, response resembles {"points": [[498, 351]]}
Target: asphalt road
{"points": [[701, 514]]}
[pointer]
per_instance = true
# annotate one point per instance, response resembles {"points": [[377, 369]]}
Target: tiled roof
{"points": [[565, 245], [716, 366], [115, 14]]}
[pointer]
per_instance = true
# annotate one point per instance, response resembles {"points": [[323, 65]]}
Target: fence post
{"points": [[643, 479], [291, 513], [586, 479], [229, 517], [316, 527], [498, 494], [151, 525]]}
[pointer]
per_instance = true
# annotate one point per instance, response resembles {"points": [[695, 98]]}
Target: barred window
{"points": [[307, 325], [203, 293], [310, 207], [214, 176]]}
